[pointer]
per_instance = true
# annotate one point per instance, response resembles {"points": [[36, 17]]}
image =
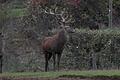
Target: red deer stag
{"points": [[53, 46]]}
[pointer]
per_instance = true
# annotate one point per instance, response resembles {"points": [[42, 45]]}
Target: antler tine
{"points": [[63, 19], [49, 12], [63, 14], [56, 8], [53, 12], [46, 11], [69, 19], [66, 18]]}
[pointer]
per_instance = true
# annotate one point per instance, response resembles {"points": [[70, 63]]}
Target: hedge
{"points": [[84, 50], [98, 49]]}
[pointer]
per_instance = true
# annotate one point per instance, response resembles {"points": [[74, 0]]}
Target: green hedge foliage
{"points": [[84, 50], [87, 49]]}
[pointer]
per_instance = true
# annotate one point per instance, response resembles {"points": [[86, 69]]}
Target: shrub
{"points": [[99, 49]]}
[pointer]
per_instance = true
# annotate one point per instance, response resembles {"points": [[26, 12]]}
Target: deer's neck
{"points": [[62, 35]]}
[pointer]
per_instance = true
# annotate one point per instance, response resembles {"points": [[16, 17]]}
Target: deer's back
{"points": [[48, 42], [52, 43]]}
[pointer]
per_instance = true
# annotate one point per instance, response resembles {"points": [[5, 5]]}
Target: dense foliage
{"points": [[86, 12], [85, 49], [93, 50]]}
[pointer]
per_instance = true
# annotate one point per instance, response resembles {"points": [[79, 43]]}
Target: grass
{"points": [[102, 73], [14, 12], [17, 12]]}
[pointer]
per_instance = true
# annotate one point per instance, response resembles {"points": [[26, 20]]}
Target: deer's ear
{"points": [[70, 30]]}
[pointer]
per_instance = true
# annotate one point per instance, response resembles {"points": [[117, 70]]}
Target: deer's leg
{"points": [[46, 62], [54, 61], [49, 57], [58, 60]]}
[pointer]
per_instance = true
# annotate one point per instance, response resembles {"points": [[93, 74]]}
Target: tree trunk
{"points": [[94, 60]]}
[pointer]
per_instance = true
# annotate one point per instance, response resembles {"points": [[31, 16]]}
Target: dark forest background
{"points": [[23, 24]]}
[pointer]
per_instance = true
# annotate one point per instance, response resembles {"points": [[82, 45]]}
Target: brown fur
{"points": [[53, 46]]}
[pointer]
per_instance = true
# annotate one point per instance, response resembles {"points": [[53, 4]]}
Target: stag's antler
{"points": [[65, 17]]}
